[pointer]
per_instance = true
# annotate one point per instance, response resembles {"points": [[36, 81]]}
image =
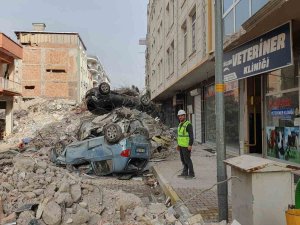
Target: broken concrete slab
{"points": [[52, 214]]}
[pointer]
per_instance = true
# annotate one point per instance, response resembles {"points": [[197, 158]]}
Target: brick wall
{"points": [[50, 71]]}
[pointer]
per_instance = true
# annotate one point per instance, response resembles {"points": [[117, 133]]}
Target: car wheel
{"points": [[104, 88], [59, 148], [92, 92], [113, 133], [145, 100]]}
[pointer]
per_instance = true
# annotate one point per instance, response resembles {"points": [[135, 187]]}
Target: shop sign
{"points": [[268, 52], [285, 113]]}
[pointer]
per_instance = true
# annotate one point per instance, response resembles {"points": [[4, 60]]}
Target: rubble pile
{"points": [[57, 123], [33, 191], [43, 119]]}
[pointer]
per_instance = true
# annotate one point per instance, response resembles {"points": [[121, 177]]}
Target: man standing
{"points": [[185, 139]]}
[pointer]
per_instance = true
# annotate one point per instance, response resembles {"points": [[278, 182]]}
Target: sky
{"points": [[110, 29]]}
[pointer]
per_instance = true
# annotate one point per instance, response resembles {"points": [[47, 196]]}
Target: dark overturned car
{"points": [[101, 100]]}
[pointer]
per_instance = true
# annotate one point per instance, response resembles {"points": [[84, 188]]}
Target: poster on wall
{"points": [[283, 143]]}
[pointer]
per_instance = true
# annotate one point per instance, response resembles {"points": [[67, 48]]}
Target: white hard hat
{"points": [[181, 112]]}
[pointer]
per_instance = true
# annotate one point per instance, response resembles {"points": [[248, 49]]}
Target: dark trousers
{"points": [[185, 156]]}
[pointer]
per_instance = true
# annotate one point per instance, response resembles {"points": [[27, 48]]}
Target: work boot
{"points": [[189, 177], [182, 175]]}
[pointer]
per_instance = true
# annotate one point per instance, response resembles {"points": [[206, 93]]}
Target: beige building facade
{"points": [[261, 72], [180, 44]]}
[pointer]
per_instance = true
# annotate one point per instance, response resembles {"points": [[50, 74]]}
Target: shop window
{"points": [[210, 114], [231, 104], [282, 114], [282, 79]]}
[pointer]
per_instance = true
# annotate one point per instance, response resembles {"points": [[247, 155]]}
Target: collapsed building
{"points": [[35, 191]]}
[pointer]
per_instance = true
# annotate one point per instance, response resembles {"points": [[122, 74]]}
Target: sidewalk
{"points": [[205, 167]]}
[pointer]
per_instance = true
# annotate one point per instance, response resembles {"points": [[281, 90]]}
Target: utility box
{"points": [[263, 191]]}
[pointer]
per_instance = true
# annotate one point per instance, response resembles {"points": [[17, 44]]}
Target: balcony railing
{"points": [[9, 85]]}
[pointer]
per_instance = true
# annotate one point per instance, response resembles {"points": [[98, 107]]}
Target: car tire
{"points": [[113, 133], [104, 88], [145, 100], [92, 92]]}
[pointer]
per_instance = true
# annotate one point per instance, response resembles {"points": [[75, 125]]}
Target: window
{"points": [[55, 70], [184, 33], [236, 12], [242, 13], [161, 34], [170, 54], [30, 87], [168, 16], [158, 35], [227, 4], [194, 32], [172, 12], [160, 72], [257, 4], [172, 57]]}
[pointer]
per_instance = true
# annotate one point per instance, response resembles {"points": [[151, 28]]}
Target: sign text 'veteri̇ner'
{"points": [[270, 51], [263, 48]]}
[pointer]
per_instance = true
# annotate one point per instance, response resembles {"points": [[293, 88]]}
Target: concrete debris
{"points": [[59, 195], [196, 220], [52, 213]]}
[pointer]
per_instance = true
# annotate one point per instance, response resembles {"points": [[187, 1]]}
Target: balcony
{"points": [[9, 50], [9, 87]]}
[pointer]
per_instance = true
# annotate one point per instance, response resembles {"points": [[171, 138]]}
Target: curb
{"points": [[185, 216], [168, 190]]}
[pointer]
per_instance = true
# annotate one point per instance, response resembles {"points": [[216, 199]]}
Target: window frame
{"points": [[193, 30], [232, 8]]}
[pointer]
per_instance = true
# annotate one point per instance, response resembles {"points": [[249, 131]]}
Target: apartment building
{"points": [[10, 81], [261, 72], [97, 70], [179, 60], [54, 64]]}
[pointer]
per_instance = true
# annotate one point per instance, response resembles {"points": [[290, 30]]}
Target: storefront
{"points": [[282, 113], [268, 72], [231, 103]]}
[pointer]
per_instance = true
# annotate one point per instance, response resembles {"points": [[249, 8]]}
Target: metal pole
{"points": [[220, 114]]}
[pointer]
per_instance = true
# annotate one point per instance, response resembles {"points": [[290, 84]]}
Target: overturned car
{"points": [[101, 100], [117, 142], [129, 155]]}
